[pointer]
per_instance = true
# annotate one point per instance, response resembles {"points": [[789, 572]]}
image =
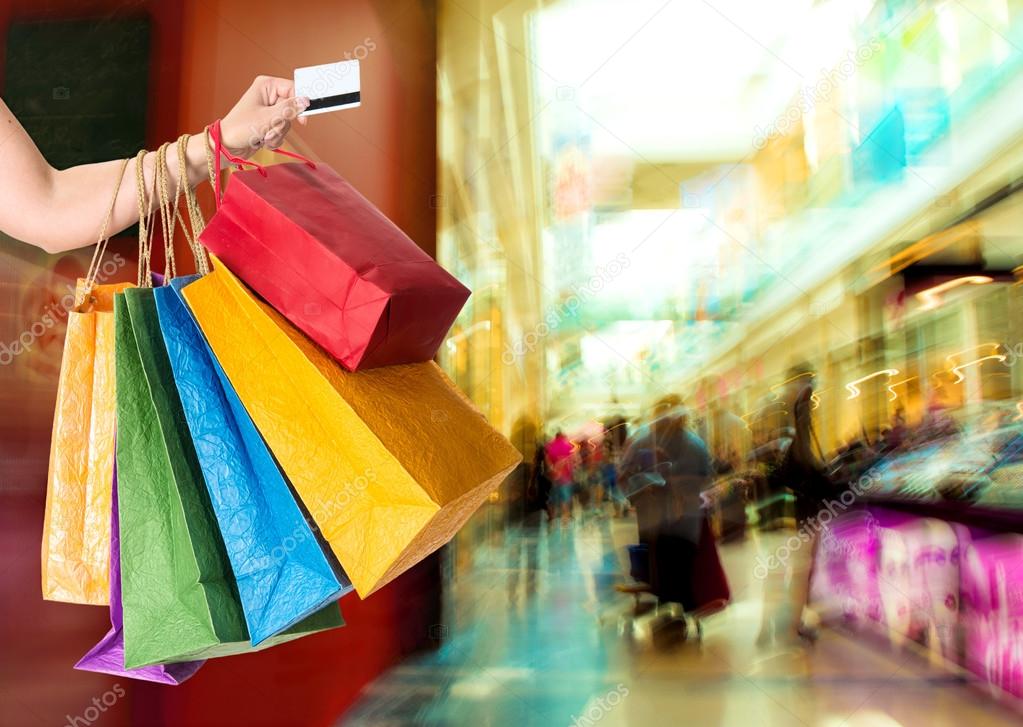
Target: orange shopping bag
{"points": [[76, 529]]}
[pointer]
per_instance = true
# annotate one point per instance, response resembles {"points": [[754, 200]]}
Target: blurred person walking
{"points": [[730, 444], [609, 478], [684, 564], [616, 434], [787, 585], [561, 458], [540, 486], [589, 476]]}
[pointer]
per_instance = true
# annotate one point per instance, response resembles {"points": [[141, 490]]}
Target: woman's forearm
{"points": [[80, 196], [61, 210]]}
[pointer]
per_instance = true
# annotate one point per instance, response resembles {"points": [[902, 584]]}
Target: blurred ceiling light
{"points": [[931, 298], [995, 345], [957, 370], [789, 380], [853, 386], [604, 79], [891, 387]]}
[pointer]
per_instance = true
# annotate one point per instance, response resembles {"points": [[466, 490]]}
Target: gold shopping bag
{"points": [[390, 462]]}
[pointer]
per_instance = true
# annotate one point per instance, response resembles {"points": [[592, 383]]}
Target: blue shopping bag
{"points": [[283, 573]]}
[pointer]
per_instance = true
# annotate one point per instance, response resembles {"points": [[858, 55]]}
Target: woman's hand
{"points": [[60, 210], [262, 117]]}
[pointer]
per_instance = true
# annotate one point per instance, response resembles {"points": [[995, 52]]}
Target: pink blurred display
{"points": [[846, 576], [992, 586], [956, 590]]}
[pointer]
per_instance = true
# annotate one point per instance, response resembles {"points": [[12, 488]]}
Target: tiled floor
{"points": [[538, 636]]}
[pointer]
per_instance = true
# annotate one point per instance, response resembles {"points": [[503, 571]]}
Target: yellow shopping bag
{"points": [[390, 462]]}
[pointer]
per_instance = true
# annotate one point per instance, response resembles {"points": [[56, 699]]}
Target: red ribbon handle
{"points": [[309, 162], [219, 148]]}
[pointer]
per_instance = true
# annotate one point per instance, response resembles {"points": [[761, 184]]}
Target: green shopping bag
{"points": [[179, 597]]}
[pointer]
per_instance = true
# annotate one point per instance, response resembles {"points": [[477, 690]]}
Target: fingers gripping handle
{"points": [[220, 150]]}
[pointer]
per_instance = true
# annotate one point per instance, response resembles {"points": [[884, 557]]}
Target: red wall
{"points": [[387, 147], [205, 55]]}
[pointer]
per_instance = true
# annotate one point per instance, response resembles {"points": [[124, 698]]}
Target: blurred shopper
{"points": [[731, 442], [616, 435], [616, 432], [540, 482], [770, 490], [609, 474], [591, 476], [582, 474], [896, 435], [684, 566], [788, 581], [561, 459]]}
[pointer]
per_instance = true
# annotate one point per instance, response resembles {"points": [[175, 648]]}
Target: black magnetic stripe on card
{"points": [[329, 101]]}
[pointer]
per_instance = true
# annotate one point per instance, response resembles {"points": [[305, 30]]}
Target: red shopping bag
{"points": [[332, 263]]}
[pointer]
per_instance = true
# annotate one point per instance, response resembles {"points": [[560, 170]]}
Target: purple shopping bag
{"points": [[107, 656]]}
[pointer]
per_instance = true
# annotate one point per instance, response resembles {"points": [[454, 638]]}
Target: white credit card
{"points": [[330, 87]]}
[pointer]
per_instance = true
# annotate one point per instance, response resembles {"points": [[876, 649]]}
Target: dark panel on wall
{"points": [[80, 87]]}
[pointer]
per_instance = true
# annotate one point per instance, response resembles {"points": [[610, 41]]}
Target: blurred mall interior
{"points": [[766, 209]]}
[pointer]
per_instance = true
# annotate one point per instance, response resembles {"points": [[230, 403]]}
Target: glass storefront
{"points": [[823, 182]]}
